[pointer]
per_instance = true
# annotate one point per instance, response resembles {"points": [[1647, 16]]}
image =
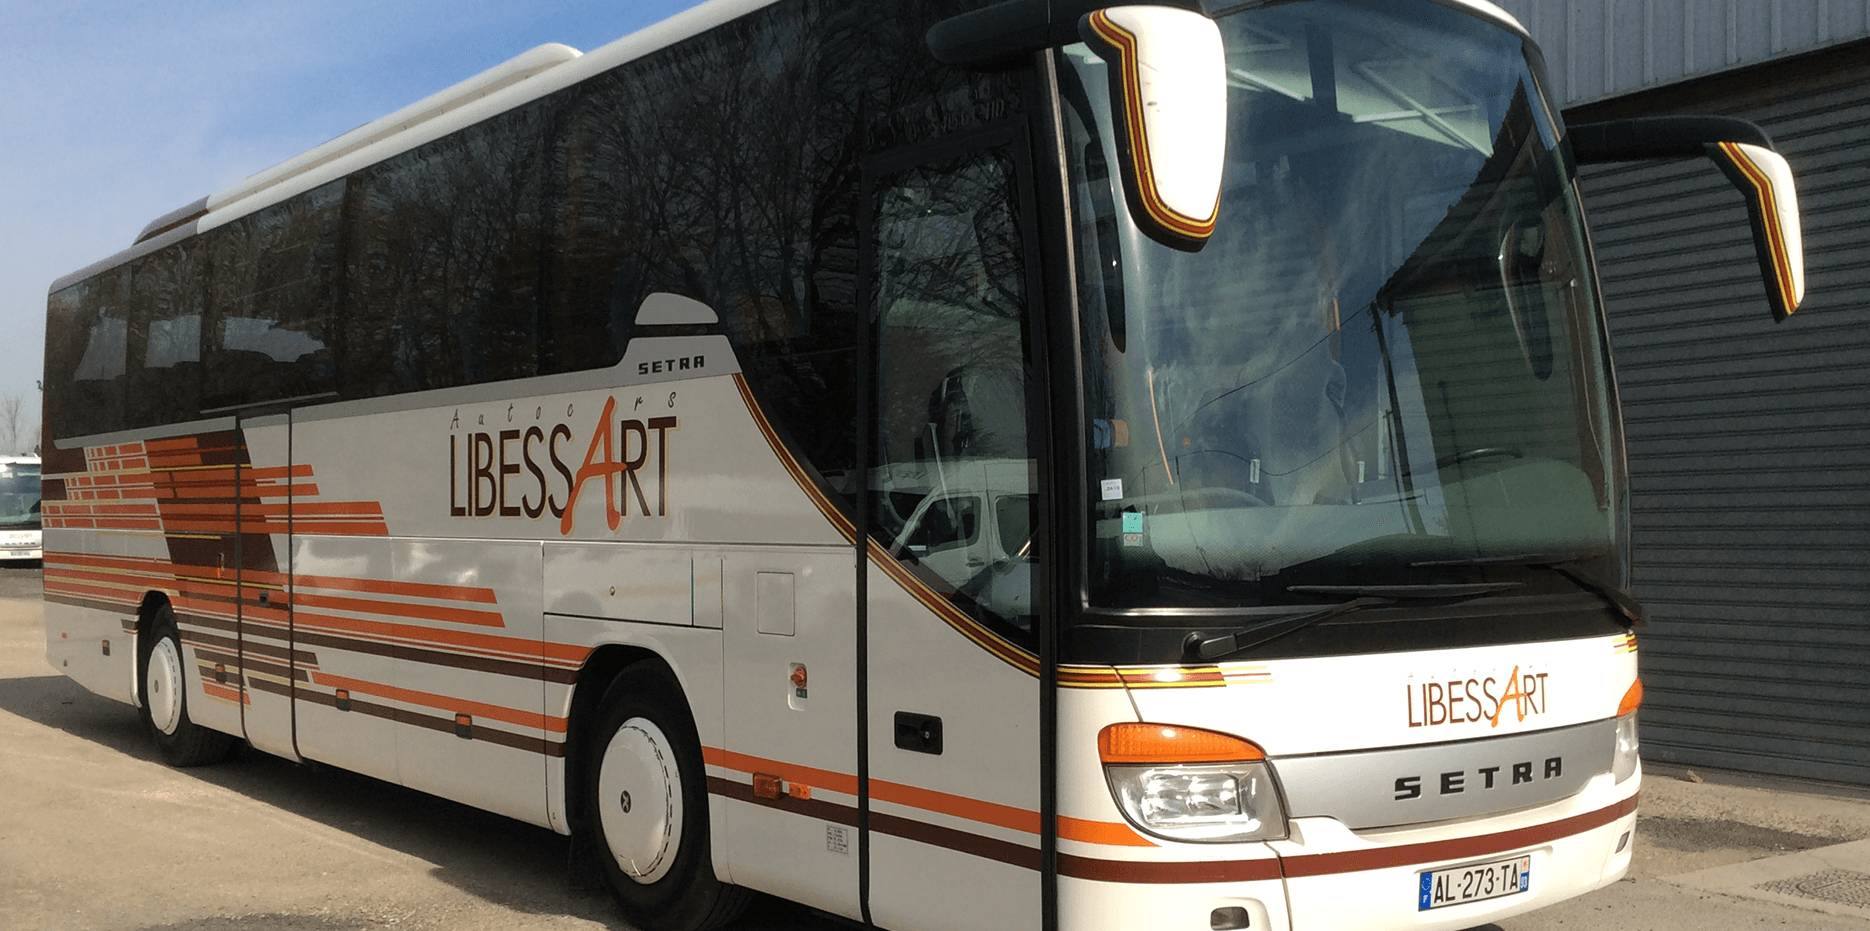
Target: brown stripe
{"points": [[945, 838], [809, 807], [1352, 861], [403, 716], [206, 620], [437, 658], [234, 665], [988, 847], [500, 667], [90, 603], [254, 647], [1138, 871]]}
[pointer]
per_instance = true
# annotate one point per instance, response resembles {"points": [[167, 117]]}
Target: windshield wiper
{"points": [[1619, 601], [1200, 646]]}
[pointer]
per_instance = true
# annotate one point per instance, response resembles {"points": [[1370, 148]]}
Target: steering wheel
{"points": [[1478, 452]]}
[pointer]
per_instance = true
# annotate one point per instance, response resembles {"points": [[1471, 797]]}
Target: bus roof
{"points": [[522, 79], [515, 82]]}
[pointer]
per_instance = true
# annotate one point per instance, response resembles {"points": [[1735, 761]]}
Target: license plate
{"points": [[1474, 883]]}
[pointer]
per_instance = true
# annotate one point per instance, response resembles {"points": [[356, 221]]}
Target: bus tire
{"points": [[162, 696], [646, 797]]}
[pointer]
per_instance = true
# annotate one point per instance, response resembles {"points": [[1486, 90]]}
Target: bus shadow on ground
{"points": [[491, 857]]}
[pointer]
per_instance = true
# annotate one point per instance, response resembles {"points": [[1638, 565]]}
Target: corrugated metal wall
{"points": [[1749, 441], [1600, 48]]}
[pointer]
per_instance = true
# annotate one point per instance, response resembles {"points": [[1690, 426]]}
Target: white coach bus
{"points": [[19, 509], [955, 465]]}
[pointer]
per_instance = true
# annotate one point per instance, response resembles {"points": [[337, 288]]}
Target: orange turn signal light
{"points": [[1168, 743], [1632, 699]]}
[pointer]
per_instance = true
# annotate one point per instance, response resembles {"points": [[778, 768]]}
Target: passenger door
{"points": [[951, 621], [261, 509]]}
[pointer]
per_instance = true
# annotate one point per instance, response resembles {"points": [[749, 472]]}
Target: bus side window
{"points": [[955, 394], [272, 299], [167, 293], [442, 275], [94, 398]]}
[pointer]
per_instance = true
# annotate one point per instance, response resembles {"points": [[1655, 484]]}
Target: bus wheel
{"points": [[163, 693], [646, 793]]}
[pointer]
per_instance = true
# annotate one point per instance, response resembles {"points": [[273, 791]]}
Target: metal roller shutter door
{"points": [[1749, 442]]}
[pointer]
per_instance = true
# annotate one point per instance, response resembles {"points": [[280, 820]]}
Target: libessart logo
{"points": [[514, 470], [1474, 699]]}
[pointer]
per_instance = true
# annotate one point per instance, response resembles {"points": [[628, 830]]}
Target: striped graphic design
{"points": [[241, 643], [200, 487]]}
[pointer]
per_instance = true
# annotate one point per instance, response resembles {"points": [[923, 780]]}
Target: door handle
{"points": [[918, 733]]}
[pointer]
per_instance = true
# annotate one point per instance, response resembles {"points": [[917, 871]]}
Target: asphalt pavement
{"points": [[96, 833]]}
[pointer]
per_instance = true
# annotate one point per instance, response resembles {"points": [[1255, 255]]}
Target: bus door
{"points": [[953, 588], [262, 544], [342, 662]]}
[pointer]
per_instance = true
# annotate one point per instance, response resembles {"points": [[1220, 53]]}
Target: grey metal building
{"points": [[1749, 441]]}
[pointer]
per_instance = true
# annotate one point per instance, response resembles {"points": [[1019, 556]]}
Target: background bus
{"points": [[19, 509]]}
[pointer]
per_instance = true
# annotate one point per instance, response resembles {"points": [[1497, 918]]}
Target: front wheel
{"points": [[163, 694], [647, 799]]}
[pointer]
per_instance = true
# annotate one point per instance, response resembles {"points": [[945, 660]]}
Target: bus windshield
{"points": [[19, 496], [1387, 362]]}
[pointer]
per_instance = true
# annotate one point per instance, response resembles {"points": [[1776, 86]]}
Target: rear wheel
{"points": [[646, 799], [163, 693]]}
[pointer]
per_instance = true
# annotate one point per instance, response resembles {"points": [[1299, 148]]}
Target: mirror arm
{"points": [[1745, 154], [1003, 35], [1659, 137]]}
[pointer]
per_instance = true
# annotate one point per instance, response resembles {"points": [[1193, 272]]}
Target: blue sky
{"points": [[112, 112]]}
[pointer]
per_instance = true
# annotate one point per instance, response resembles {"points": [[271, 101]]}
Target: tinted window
{"points": [[168, 294], [725, 170], [955, 384], [87, 352], [272, 302], [444, 261]]}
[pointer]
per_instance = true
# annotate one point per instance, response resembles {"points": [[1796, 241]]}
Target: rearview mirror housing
{"points": [[1746, 155], [1168, 88]]}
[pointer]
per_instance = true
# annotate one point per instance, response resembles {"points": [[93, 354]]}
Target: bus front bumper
{"points": [[1329, 877]]}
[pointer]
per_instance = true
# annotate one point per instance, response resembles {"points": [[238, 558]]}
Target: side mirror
{"points": [[1745, 153], [1168, 86]]}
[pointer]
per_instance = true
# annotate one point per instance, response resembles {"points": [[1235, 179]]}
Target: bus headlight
{"points": [[1623, 763], [1189, 784], [1215, 803]]}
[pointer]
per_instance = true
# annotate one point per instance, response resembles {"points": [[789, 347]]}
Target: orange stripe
{"points": [[443, 702], [409, 589], [216, 690], [118, 595], [512, 646], [1125, 43], [295, 509], [957, 806], [400, 609], [172, 443], [844, 527], [1769, 210]]}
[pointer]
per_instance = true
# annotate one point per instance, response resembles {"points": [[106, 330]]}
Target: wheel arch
{"points": [[601, 671], [152, 602]]}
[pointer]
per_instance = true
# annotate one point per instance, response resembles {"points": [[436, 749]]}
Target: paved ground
{"points": [[95, 833]]}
